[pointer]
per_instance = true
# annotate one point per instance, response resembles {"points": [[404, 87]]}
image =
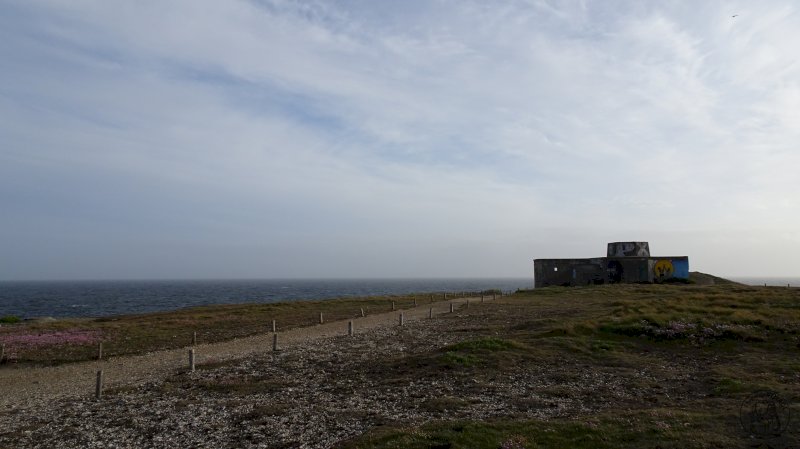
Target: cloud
{"points": [[353, 139]]}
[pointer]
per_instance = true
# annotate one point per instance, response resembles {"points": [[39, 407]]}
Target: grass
{"points": [[610, 366], [139, 334], [690, 354], [474, 352], [657, 429]]}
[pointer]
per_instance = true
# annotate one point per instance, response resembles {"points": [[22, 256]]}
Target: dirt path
{"points": [[24, 387]]}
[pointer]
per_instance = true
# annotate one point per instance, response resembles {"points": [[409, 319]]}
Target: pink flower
{"points": [[30, 340]]}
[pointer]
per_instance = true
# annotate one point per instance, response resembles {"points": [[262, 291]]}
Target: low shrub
{"points": [[485, 344], [681, 330], [453, 359]]}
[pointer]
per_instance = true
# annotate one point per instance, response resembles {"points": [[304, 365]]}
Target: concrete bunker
{"points": [[625, 262]]}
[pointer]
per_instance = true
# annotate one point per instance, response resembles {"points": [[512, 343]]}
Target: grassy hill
{"points": [[626, 366], [610, 366], [699, 278]]}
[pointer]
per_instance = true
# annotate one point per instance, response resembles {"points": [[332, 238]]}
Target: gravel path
{"points": [[25, 387], [322, 389]]}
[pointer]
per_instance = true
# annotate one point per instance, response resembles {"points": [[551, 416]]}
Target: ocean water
{"points": [[60, 299], [792, 281]]}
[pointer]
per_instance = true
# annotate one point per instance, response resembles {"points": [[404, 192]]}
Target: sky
{"points": [[302, 139]]}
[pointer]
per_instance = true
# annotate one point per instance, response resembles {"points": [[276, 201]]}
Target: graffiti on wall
{"points": [[625, 262], [663, 269], [628, 249]]}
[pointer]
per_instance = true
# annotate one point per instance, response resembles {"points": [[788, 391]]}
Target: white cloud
{"points": [[396, 134]]}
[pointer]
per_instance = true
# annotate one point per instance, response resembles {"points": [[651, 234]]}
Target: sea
{"points": [[61, 299], [791, 281]]}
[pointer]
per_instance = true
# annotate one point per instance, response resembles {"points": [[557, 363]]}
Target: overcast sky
{"points": [[264, 139]]}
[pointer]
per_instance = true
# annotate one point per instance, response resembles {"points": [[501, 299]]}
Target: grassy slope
{"points": [[688, 355], [138, 334], [683, 357], [699, 278]]}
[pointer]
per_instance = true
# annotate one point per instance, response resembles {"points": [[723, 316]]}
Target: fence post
{"points": [[320, 318], [401, 318], [430, 312], [274, 326], [350, 328], [191, 360], [98, 388], [451, 307], [415, 301], [362, 313], [194, 338], [392, 305], [100, 351]]}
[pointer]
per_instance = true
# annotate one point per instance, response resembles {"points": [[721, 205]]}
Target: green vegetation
{"points": [[610, 366], [9, 319], [658, 429], [138, 334], [688, 355], [489, 344], [474, 352]]}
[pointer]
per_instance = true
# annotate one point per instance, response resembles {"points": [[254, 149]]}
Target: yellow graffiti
{"points": [[663, 269]]}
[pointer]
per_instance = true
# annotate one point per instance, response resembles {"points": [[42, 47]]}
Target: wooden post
{"points": [[451, 307], [392, 305], [275, 342], [320, 318], [362, 313], [100, 351], [401, 318], [274, 326], [194, 338], [350, 328], [191, 360], [430, 312], [98, 388]]}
